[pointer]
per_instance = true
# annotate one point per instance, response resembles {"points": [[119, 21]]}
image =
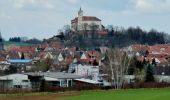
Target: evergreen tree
{"points": [[12, 69], [22, 56], [149, 74], [154, 62], [144, 62], [42, 85]]}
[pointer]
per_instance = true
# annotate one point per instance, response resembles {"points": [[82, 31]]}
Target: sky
{"points": [[43, 18]]}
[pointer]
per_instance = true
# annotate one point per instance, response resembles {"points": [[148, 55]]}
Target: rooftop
{"points": [[20, 60], [56, 75]]}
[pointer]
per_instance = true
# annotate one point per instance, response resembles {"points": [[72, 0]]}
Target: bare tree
{"points": [[116, 66]]}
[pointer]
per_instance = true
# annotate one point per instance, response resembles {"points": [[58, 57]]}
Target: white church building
{"points": [[85, 22]]}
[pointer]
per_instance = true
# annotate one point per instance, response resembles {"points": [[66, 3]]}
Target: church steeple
{"points": [[0, 37], [1, 43], [80, 12]]}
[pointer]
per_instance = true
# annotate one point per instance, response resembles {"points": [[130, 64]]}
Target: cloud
{"points": [[151, 6], [4, 16], [30, 4], [73, 1], [42, 18], [21, 3]]}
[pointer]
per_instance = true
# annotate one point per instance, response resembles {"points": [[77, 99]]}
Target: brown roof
{"points": [[90, 18], [162, 48], [86, 18], [139, 47], [2, 59]]}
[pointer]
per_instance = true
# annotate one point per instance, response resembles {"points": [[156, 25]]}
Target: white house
{"points": [[56, 79], [15, 81], [60, 57], [88, 71]]}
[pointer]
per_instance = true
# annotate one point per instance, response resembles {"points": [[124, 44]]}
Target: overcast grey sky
{"points": [[43, 18]]}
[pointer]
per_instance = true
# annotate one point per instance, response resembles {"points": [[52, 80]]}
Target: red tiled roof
{"points": [[86, 18], [2, 59], [141, 58], [88, 60], [139, 47], [162, 48], [161, 55], [23, 49], [75, 20], [88, 55], [90, 18], [162, 60]]}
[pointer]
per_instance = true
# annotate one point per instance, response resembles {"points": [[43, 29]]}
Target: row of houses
{"points": [[82, 66], [33, 81], [68, 62], [159, 53]]}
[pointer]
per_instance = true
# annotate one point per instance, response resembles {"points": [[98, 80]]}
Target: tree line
{"points": [[19, 39], [115, 37], [137, 35], [15, 39]]}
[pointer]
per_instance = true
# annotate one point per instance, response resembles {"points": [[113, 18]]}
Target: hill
{"points": [[112, 38]]}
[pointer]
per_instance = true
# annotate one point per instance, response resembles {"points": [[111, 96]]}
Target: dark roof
{"points": [[57, 75]]}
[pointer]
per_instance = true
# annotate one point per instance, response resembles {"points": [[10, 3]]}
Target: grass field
{"points": [[37, 96], [139, 94]]}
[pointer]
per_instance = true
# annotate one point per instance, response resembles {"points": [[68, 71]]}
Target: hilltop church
{"points": [[85, 22]]}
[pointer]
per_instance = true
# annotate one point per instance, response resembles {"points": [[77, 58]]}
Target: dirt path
{"points": [[39, 97]]}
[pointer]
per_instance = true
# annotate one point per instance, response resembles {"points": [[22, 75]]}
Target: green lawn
{"points": [[140, 94]]}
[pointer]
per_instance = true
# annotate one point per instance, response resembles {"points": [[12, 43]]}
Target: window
{"points": [[69, 82], [55, 83], [24, 80], [18, 86], [63, 83]]}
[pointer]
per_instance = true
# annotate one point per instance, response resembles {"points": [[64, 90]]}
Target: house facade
{"points": [[15, 81]]}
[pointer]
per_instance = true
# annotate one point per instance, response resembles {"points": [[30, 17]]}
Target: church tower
{"points": [[80, 19], [80, 12], [1, 43]]}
